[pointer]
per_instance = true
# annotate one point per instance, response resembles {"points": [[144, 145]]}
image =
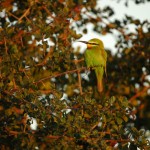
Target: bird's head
{"points": [[94, 43]]}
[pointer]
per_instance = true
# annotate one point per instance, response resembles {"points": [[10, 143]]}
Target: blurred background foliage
{"points": [[40, 78]]}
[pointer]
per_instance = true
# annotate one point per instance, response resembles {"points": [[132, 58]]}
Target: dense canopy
{"points": [[44, 79]]}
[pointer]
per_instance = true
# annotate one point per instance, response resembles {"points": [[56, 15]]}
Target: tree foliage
{"points": [[41, 79]]}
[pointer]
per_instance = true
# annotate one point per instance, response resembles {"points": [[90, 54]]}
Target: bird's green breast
{"points": [[94, 57]]}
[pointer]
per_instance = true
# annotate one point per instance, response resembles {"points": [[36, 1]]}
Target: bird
{"points": [[96, 59]]}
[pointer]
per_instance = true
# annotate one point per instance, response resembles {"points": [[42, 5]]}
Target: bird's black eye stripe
{"points": [[93, 43]]}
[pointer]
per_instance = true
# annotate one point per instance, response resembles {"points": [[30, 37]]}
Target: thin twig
{"points": [[78, 61], [118, 141], [49, 55], [55, 137], [12, 15], [11, 94], [138, 94], [93, 127], [24, 15], [21, 42], [6, 49], [79, 81], [48, 12], [79, 76]]}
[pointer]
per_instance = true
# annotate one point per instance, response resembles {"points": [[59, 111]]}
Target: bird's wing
{"points": [[104, 53], [88, 58]]}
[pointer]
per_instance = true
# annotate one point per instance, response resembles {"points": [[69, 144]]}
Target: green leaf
{"points": [[112, 100], [125, 118], [119, 120]]}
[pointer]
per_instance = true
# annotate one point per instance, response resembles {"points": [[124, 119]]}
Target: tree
{"points": [[41, 79]]}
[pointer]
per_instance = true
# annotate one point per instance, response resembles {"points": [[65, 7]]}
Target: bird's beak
{"points": [[83, 42]]}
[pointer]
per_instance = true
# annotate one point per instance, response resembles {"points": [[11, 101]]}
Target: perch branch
{"points": [[78, 61], [60, 74]]}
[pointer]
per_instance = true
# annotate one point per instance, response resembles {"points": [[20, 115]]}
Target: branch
{"points": [[58, 137], [19, 19], [49, 55], [120, 141], [138, 94], [6, 48], [79, 76], [93, 127], [55, 137], [11, 94], [12, 15], [85, 139], [79, 81], [48, 12], [24, 15], [78, 61], [61, 74]]}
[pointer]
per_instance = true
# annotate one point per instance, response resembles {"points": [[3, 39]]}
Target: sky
{"points": [[141, 11]]}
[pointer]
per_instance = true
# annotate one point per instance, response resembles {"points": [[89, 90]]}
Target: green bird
{"points": [[96, 58]]}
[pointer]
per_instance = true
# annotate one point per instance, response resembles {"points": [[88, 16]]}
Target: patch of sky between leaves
{"points": [[3, 14], [34, 124], [133, 10]]}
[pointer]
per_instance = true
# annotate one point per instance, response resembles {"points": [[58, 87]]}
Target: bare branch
{"points": [[6, 49], [12, 15], [138, 94], [61, 74], [24, 15], [79, 81]]}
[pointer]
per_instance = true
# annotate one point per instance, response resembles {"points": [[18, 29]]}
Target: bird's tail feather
{"points": [[99, 75], [99, 85]]}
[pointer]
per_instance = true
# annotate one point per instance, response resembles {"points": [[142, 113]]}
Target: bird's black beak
{"points": [[88, 43], [83, 42]]}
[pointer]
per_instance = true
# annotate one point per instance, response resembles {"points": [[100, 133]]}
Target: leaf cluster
{"points": [[40, 78]]}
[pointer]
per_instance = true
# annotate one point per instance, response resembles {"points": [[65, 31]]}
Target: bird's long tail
{"points": [[99, 75], [99, 85]]}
